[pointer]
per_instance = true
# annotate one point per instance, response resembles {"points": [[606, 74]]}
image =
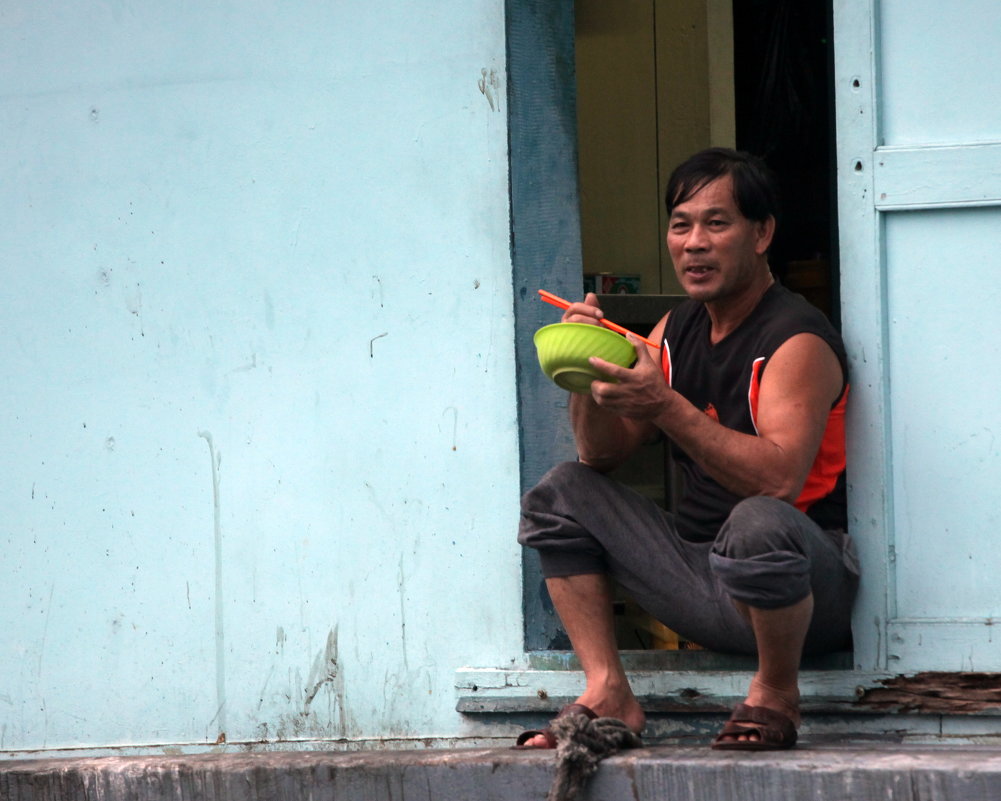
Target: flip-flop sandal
{"points": [[775, 731], [569, 709]]}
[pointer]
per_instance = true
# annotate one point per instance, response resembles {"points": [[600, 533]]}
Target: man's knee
{"points": [[562, 483], [758, 554], [757, 526], [568, 473], [549, 522]]}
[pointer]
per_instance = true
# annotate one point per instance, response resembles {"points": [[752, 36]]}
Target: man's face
{"points": [[717, 252]]}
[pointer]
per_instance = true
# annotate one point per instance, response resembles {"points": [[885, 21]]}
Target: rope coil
{"points": [[580, 745]]}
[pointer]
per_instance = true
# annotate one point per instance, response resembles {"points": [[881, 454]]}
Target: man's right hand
{"points": [[587, 311]]}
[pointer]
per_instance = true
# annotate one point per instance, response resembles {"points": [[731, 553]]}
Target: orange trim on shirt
{"points": [[754, 389], [829, 463], [665, 361]]}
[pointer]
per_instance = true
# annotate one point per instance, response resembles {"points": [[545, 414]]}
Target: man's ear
{"points": [[766, 232]]}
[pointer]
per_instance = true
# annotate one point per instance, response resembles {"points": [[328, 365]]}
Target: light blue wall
{"points": [[259, 443]]}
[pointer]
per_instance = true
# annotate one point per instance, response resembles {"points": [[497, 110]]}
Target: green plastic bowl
{"points": [[564, 349]]}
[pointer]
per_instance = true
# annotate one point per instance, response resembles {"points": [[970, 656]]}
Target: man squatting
{"points": [[750, 385]]}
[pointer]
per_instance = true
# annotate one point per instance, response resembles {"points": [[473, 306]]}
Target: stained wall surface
{"points": [[259, 440]]}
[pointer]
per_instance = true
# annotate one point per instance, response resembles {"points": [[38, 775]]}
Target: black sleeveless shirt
{"points": [[723, 381]]}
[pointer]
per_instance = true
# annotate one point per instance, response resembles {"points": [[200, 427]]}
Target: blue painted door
{"points": [[919, 163]]}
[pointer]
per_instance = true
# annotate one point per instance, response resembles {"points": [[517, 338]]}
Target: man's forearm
{"points": [[604, 440], [745, 464]]}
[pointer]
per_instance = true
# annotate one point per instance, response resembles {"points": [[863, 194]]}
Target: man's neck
{"points": [[727, 315]]}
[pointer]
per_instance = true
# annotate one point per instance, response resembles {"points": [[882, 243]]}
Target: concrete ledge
{"points": [[680, 774], [674, 691]]}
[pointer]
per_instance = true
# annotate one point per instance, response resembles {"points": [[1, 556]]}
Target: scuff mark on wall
{"points": [[455, 424], [134, 303], [45, 628], [325, 678], [325, 670], [264, 687], [269, 311], [247, 367], [371, 343], [489, 85], [220, 635], [401, 580], [376, 502]]}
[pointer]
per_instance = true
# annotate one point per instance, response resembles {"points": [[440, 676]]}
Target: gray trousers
{"points": [[768, 555]]}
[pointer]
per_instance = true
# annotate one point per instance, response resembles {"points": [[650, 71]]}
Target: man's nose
{"points": [[697, 238]]}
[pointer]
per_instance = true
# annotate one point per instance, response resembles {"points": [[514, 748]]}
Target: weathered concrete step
{"points": [[831, 773]]}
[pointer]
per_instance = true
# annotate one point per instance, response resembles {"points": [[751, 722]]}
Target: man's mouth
{"points": [[698, 269]]}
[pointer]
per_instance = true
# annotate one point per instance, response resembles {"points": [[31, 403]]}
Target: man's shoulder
{"points": [[789, 314], [783, 308]]}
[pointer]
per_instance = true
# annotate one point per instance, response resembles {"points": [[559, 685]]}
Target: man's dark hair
{"points": [[755, 189]]}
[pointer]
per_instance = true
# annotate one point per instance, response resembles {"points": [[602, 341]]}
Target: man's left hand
{"points": [[638, 392]]}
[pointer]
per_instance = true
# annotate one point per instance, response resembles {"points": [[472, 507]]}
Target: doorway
{"points": [[547, 197], [657, 80]]}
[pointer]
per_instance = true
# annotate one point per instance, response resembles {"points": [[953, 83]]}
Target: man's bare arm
{"points": [[801, 383]]}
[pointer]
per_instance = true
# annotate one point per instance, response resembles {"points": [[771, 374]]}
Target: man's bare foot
{"points": [[622, 706]]}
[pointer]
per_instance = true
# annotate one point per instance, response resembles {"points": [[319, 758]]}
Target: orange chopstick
{"points": [[556, 300]]}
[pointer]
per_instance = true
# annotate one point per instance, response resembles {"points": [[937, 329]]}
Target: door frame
{"points": [[863, 322], [546, 253], [545, 248]]}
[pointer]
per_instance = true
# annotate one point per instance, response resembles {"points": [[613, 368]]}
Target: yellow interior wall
{"points": [[654, 84]]}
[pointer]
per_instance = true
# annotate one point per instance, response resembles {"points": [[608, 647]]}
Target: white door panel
{"points": [[938, 67], [943, 279]]}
